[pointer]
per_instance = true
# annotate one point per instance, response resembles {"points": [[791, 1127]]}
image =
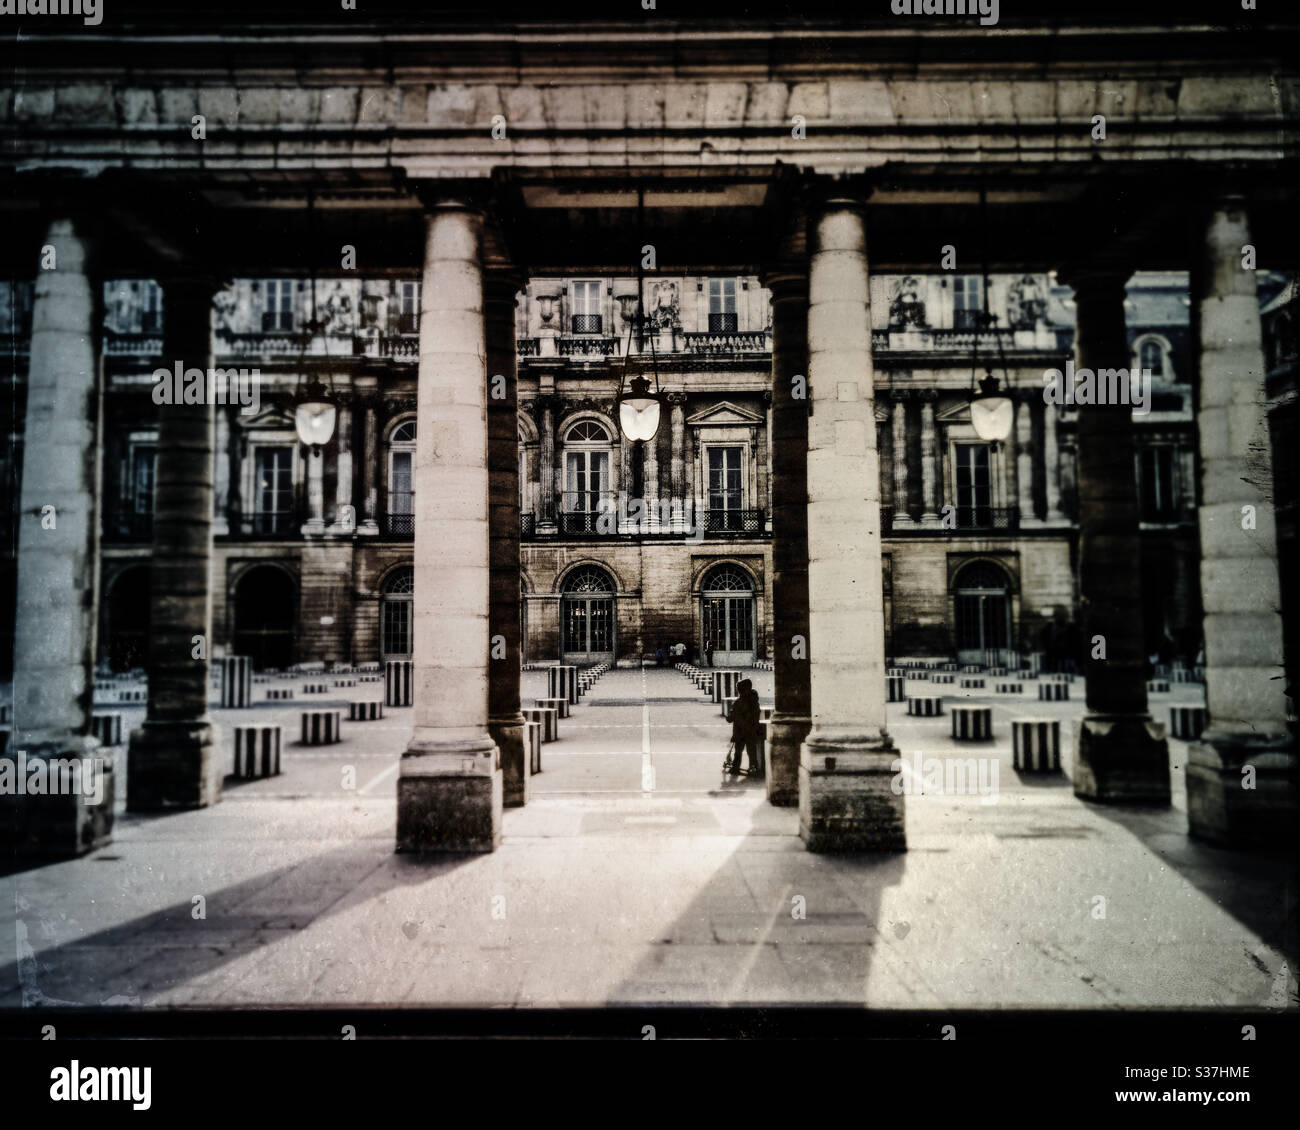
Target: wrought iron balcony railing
{"points": [[988, 517], [726, 342], [733, 521], [399, 520], [527, 524], [586, 346], [586, 323]]}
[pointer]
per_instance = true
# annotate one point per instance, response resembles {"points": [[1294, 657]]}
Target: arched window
{"points": [[727, 616], [587, 616], [401, 480], [983, 613], [1153, 353], [396, 628], [587, 487]]}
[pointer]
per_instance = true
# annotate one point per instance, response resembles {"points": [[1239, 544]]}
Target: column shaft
{"points": [[1120, 753], [172, 761], [845, 799], [449, 790], [902, 514], [505, 723], [547, 472], [370, 470], [57, 583], [345, 518], [792, 717], [929, 461], [1051, 465], [1241, 777]]}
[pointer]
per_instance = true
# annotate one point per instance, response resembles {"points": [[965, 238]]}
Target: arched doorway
{"points": [[587, 621], [396, 619], [266, 617], [982, 609], [727, 615], [126, 620]]}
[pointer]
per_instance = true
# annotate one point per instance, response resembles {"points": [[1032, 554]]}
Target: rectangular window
{"points": [[144, 463], [277, 312], [274, 494], [722, 306], [409, 319], [1156, 478], [725, 488], [974, 486], [967, 301], [397, 627], [586, 307], [151, 308]]}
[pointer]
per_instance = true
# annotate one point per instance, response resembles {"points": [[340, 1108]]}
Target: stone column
{"points": [[650, 483], [677, 459], [173, 760], [58, 534], [547, 521], [902, 517], [845, 799], [929, 460], [1241, 775], [449, 789], [315, 523], [505, 722], [221, 470], [370, 471], [1120, 754], [1051, 465], [345, 515], [1025, 463], [792, 717], [235, 458]]}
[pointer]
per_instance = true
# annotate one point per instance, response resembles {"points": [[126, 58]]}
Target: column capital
{"points": [[825, 192], [453, 195], [676, 399], [927, 396], [900, 395]]}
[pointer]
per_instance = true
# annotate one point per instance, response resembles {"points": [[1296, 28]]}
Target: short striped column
{"points": [[943, 677], [724, 684], [365, 711], [1187, 722], [971, 668], [398, 682], [344, 683], [278, 694], [972, 684], [131, 697], [561, 705], [370, 678], [548, 719], [996, 672], [1011, 688], [925, 705], [533, 744], [1157, 686], [322, 727], [257, 751], [948, 667], [1036, 745], [1053, 692], [314, 688], [1060, 677], [894, 685], [107, 728], [972, 723], [562, 682], [236, 682], [896, 672]]}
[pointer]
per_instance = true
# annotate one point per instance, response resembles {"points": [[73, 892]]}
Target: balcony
{"points": [[128, 527], [399, 519], [733, 522], [272, 523], [586, 346], [988, 517], [133, 345], [726, 342], [586, 323]]}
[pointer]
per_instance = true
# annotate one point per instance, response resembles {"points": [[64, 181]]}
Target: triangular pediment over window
{"points": [[958, 413], [720, 415]]}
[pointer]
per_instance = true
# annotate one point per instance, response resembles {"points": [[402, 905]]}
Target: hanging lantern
{"points": [[314, 416], [639, 409], [991, 411]]}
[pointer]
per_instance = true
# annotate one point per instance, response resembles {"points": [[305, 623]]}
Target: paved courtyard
{"points": [[694, 891]]}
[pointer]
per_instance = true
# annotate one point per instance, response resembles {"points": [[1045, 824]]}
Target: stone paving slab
{"points": [[694, 893]]}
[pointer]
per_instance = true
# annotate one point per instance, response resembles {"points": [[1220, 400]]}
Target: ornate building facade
{"points": [[627, 547]]}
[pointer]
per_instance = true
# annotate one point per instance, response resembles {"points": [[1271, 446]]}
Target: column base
{"points": [[930, 521], [173, 765], [516, 780], [369, 528], [62, 824], [1121, 759], [902, 522], [313, 527], [785, 735], [449, 796], [1221, 809], [846, 802]]}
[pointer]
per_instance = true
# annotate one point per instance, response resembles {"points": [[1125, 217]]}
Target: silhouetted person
{"points": [[744, 726], [708, 653]]}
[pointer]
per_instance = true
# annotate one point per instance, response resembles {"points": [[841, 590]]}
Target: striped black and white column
{"points": [[257, 751], [236, 682], [321, 727], [972, 723], [398, 682], [1036, 744]]}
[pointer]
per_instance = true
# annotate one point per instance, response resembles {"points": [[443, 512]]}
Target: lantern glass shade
{"points": [[638, 411], [314, 420], [991, 413]]}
